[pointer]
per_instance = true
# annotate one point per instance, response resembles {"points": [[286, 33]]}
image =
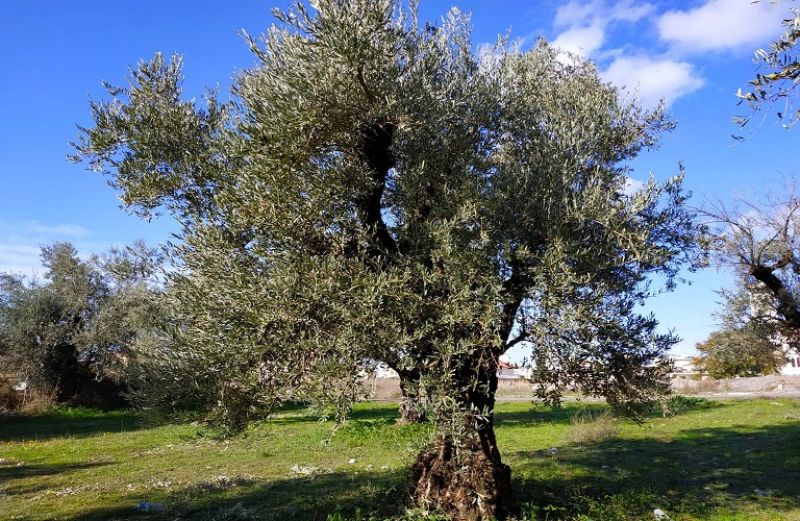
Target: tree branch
{"points": [[376, 142], [787, 304]]}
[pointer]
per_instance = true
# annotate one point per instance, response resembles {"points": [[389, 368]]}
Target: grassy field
{"points": [[735, 460]]}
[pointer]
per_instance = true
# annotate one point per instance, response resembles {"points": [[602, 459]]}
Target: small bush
{"points": [[10, 400], [679, 403], [589, 426]]}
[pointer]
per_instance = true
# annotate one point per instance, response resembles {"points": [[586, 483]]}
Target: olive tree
{"points": [[374, 190], [69, 334], [760, 241], [748, 350]]}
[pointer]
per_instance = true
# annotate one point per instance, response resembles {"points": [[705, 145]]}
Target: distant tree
{"points": [[760, 241], [744, 351], [375, 191], [69, 335], [778, 82]]}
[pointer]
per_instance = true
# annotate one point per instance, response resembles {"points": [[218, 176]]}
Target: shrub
{"points": [[591, 426], [10, 399]]}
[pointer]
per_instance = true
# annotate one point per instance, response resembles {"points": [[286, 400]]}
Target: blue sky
{"points": [[54, 54]]}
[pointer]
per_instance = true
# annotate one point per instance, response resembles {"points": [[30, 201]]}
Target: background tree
{"points": [[760, 241], [744, 351], [375, 191], [69, 335], [778, 82]]}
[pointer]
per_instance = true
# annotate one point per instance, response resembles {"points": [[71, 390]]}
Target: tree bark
{"points": [[787, 306], [412, 406], [465, 478], [65, 371]]}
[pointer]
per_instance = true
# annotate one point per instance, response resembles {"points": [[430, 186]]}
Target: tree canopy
{"points": [[70, 335], [748, 350], [374, 190]]}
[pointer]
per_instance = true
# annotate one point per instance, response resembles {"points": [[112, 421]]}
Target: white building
{"points": [[683, 365], [508, 370], [792, 367], [761, 305]]}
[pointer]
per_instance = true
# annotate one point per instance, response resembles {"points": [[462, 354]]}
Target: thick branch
{"points": [[516, 340], [514, 288], [787, 304], [376, 142]]}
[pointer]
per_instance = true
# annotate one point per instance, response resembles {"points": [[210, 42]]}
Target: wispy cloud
{"points": [[20, 243], [19, 258], [577, 14], [583, 25], [66, 230], [650, 74]]}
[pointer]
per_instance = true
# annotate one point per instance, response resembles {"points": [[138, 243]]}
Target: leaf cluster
{"points": [[746, 351], [778, 82]]}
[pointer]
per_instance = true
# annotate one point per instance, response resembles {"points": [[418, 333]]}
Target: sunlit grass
{"points": [[730, 461]]}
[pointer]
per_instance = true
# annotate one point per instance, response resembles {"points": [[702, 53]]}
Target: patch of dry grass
{"points": [[591, 426]]}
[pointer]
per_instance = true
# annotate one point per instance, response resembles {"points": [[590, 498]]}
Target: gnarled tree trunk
{"points": [[65, 372], [412, 397], [466, 478]]}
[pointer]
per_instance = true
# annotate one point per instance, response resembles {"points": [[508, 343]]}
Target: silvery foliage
{"points": [[373, 190], [776, 83], [81, 319]]}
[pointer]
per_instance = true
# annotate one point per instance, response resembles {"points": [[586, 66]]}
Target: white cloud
{"points": [[628, 12], [19, 258], [653, 79], [581, 40], [720, 24], [632, 186], [577, 13], [585, 23]]}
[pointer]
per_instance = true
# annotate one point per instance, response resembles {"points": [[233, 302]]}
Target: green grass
{"points": [[737, 460]]}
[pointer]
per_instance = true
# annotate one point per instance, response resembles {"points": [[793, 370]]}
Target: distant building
{"points": [[683, 365], [792, 367], [372, 368], [384, 371], [761, 305], [508, 370]]}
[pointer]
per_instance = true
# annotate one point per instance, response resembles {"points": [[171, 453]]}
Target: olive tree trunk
{"points": [[462, 474], [412, 397]]}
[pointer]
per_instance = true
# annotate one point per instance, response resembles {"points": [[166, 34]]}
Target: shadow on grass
{"points": [[542, 414], [291, 499], [21, 471], [370, 411], [699, 472], [65, 423]]}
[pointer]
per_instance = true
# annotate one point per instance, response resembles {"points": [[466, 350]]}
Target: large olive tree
{"points": [[373, 190]]}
